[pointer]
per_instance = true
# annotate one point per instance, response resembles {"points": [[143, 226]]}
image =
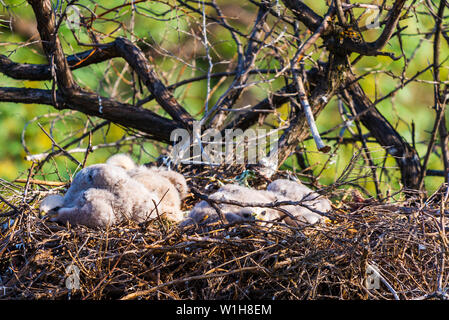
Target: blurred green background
{"points": [[168, 30]]}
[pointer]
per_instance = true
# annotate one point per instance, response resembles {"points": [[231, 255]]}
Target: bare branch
{"points": [[123, 114], [43, 12]]}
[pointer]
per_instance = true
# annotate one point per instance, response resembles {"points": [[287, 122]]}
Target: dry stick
{"points": [[27, 184], [443, 240], [304, 14], [384, 281], [216, 116], [309, 116], [57, 152], [43, 156], [73, 95], [192, 278], [41, 72], [59, 147], [147, 221], [42, 182], [406, 157], [298, 128], [9, 204], [137, 60], [210, 202], [88, 150], [141, 119], [444, 145], [366, 150], [123, 47], [158, 215], [438, 120], [300, 85], [45, 18], [340, 13], [111, 270], [313, 21], [443, 142], [439, 124]]}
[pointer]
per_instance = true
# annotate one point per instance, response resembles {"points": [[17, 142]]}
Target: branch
{"points": [[309, 116], [313, 21], [132, 54], [123, 114], [304, 14], [51, 44], [228, 99], [373, 48], [326, 84], [121, 47], [274, 101], [405, 156], [302, 95], [42, 72], [440, 107], [137, 60], [271, 103]]}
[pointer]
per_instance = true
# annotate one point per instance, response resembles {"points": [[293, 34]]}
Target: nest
{"points": [[368, 250]]}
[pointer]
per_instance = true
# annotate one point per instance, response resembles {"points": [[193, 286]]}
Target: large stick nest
{"points": [[405, 243]]}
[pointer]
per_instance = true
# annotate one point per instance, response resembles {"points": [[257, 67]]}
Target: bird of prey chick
{"points": [[203, 212], [102, 195], [296, 191], [278, 190], [169, 186]]}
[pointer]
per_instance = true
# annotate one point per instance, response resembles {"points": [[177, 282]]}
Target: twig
{"points": [[42, 182], [309, 116], [9, 204], [59, 147], [192, 278]]}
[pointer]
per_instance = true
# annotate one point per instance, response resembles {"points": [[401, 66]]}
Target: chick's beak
{"points": [[51, 215]]}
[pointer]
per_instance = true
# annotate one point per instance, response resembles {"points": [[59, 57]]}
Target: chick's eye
{"points": [[249, 215]]}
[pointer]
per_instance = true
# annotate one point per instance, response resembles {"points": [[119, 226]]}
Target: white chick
{"points": [[161, 186], [170, 186], [296, 191], [202, 212], [122, 160], [102, 195]]}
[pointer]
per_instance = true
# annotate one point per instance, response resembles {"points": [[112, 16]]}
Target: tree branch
{"points": [[304, 14], [312, 21], [132, 54], [405, 156], [137, 60], [123, 114], [121, 47], [42, 72], [242, 73], [43, 12]]}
